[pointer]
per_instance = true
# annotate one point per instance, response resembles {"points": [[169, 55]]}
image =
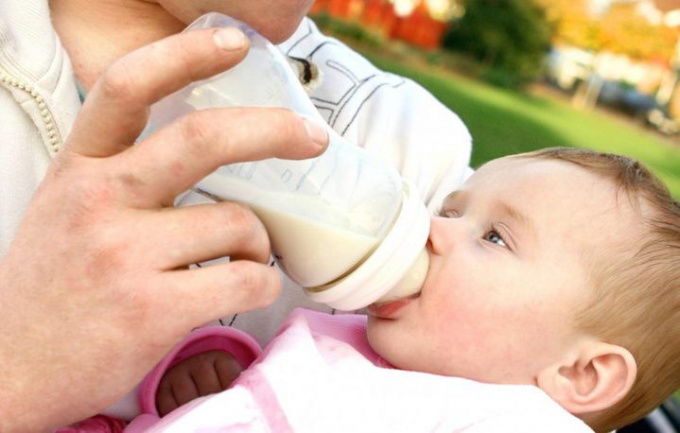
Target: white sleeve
{"points": [[390, 116]]}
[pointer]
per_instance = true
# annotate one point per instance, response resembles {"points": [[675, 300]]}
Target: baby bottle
{"points": [[344, 226]]}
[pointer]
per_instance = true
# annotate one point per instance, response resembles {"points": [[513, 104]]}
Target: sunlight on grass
{"points": [[504, 122]]}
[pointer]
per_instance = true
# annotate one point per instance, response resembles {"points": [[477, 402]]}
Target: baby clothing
{"points": [[320, 375]]}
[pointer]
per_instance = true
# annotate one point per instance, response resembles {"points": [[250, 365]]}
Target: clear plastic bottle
{"points": [[344, 226]]}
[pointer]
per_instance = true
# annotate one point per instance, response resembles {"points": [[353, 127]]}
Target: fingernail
{"points": [[229, 39], [316, 132]]}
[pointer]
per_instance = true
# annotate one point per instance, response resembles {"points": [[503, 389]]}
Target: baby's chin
{"points": [[383, 359], [383, 338]]}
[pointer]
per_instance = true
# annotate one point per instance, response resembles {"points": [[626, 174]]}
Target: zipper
{"points": [[53, 136]]}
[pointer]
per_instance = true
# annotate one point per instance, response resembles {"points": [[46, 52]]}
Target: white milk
{"points": [[310, 252]]}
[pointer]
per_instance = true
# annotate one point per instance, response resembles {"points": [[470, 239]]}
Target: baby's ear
{"points": [[593, 379]]}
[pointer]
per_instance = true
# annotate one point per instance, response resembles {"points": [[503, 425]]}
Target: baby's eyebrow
{"points": [[522, 218], [444, 206], [452, 196]]}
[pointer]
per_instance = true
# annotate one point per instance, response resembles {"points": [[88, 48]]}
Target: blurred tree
{"points": [[624, 31], [619, 29], [573, 22], [510, 37]]}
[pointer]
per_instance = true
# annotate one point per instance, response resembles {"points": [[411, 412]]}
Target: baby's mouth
{"points": [[388, 309]]}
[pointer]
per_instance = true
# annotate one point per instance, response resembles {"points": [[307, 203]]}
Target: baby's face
{"points": [[508, 272]]}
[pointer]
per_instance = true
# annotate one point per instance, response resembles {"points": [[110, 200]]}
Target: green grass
{"points": [[504, 122]]}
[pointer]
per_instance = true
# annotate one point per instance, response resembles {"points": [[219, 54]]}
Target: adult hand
{"points": [[95, 287]]}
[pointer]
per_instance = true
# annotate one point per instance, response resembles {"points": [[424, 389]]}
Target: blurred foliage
{"points": [[573, 22], [505, 122], [619, 29], [623, 31], [509, 37]]}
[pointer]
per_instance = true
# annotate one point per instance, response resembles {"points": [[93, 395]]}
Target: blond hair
{"points": [[636, 299]]}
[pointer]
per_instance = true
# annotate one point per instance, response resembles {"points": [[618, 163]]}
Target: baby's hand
{"points": [[196, 376]]}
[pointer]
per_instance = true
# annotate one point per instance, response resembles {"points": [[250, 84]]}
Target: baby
{"points": [[552, 303]]}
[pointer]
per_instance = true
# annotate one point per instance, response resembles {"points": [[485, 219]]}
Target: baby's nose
{"points": [[440, 234]]}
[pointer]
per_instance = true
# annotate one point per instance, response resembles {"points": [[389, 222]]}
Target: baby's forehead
{"points": [[513, 163], [555, 189], [548, 169], [522, 168], [520, 160], [592, 203]]}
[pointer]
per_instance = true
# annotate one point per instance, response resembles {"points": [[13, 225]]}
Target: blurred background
{"points": [[526, 74]]}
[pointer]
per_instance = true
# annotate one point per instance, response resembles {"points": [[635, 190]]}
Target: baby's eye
{"points": [[494, 237]]}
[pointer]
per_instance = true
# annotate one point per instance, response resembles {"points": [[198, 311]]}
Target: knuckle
{"points": [[239, 215], [244, 223], [109, 255], [90, 220], [258, 284], [197, 134], [88, 207], [118, 82]]}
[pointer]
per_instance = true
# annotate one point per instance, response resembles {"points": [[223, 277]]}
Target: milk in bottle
{"points": [[343, 225]]}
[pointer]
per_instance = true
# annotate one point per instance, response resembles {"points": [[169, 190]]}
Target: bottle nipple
{"points": [[412, 282]]}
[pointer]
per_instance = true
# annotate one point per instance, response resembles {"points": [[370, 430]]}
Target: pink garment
{"points": [[96, 424], [239, 344], [320, 375]]}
